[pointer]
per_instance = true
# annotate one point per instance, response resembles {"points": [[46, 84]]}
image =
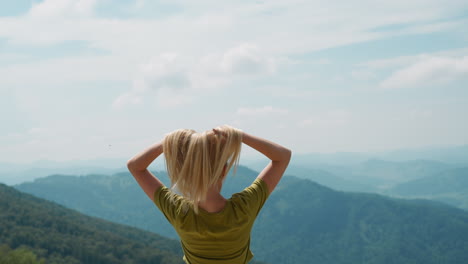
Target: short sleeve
{"points": [[255, 196], [168, 202]]}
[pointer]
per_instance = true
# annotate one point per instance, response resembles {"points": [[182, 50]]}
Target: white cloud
{"points": [[428, 71], [168, 98], [254, 112], [164, 78], [246, 59], [403, 61], [262, 119], [418, 114], [126, 99], [39, 131], [326, 120], [166, 71], [50, 9], [298, 27], [6, 58], [435, 68], [176, 80], [362, 74], [63, 71]]}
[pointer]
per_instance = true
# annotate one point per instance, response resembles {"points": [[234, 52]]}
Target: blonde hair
{"points": [[197, 161]]}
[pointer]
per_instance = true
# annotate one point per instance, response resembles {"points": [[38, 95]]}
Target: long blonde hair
{"points": [[197, 161]]}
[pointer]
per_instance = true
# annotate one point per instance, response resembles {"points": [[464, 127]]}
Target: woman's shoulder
{"points": [[251, 199], [256, 191]]}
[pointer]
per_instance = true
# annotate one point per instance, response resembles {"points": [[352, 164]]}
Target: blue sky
{"points": [[89, 79]]}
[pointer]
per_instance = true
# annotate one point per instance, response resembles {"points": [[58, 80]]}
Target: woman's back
{"points": [[221, 237]]}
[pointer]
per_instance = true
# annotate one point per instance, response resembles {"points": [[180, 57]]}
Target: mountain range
{"points": [[456, 156], [302, 221]]}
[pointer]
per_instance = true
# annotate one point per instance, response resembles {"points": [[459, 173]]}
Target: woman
{"points": [[212, 229]]}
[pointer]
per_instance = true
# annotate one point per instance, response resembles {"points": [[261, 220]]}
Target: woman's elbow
{"points": [[287, 154], [131, 165]]}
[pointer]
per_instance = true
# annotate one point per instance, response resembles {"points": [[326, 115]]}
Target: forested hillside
{"points": [[60, 235], [302, 222], [21, 255], [339, 227]]}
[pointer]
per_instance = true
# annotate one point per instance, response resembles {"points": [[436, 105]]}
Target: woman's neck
{"points": [[214, 201]]}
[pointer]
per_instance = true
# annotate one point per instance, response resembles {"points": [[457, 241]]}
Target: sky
{"points": [[93, 79]]}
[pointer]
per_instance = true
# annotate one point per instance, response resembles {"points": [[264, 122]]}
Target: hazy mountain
{"points": [[368, 176], [398, 171], [15, 173], [453, 180], [450, 186], [302, 222], [411, 179], [339, 164], [456, 155], [449, 154], [328, 179]]}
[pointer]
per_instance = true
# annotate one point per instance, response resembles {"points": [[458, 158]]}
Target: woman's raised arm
{"points": [[138, 167], [278, 155]]}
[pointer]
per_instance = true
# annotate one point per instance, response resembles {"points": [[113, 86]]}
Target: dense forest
{"points": [[21, 255], [34, 229], [339, 227], [302, 222]]}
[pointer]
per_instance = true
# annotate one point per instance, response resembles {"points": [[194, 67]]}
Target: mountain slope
{"points": [[302, 222], [64, 236], [338, 227]]}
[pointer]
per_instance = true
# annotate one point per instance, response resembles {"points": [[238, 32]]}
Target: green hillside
{"points": [[302, 222], [59, 235]]}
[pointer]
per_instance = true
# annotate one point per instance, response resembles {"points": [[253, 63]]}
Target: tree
{"points": [[20, 255]]}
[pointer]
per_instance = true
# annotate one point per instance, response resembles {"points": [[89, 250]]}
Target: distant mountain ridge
{"points": [[390, 178], [302, 222], [450, 154], [450, 186], [453, 180], [16, 173]]}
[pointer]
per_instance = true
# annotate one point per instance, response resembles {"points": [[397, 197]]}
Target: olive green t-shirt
{"points": [[221, 237]]}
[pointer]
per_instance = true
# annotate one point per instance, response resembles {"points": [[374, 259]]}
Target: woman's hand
{"points": [[220, 131]]}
